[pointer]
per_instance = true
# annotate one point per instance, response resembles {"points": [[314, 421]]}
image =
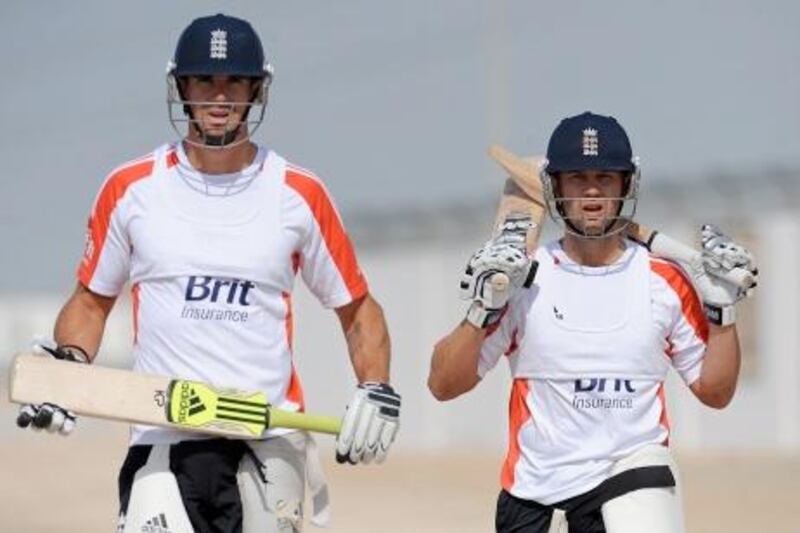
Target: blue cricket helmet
{"points": [[222, 45], [589, 142]]}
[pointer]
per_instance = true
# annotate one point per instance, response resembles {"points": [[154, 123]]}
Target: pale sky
{"points": [[392, 103]]}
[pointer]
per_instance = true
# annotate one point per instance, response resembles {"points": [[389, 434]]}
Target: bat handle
{"points": [[499, 282], [669, 248], [741, 277], [317, 423]]}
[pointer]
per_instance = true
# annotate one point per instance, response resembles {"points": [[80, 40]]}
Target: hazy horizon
{"points": [[393, 104]]}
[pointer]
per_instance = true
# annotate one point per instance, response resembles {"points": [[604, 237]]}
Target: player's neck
{"points": [[220, 161], [593, 252]]}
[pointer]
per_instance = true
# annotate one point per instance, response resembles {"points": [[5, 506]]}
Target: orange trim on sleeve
{"points": [[135, 305], [336, 240], [113, 190], [691, 306], [664, 419], [287, 300], [294, 392], [518, 415]]}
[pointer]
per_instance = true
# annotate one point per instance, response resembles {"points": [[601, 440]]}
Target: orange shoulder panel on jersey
{"points": [[113, 190], [691, 306], [336, 240]]}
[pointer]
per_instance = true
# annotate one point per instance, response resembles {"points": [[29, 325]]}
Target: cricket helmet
{"points": [[590, 142], [217, 45]]}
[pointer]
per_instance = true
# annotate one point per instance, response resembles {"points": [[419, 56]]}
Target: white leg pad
{"points": [[655, 510], [155, 500], [276, 507]]}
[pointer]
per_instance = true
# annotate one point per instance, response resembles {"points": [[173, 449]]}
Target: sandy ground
{"points": [[68, 485]]}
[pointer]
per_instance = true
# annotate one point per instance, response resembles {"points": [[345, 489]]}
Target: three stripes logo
{"points": [[239, 410], [157, 524], [197, 405]]}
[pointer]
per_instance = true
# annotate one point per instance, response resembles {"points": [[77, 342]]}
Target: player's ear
{"points": [[555, 179], [626, 183], [181, 84], [259, 91]]}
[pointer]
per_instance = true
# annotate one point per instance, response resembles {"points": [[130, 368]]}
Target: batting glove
{"points": [[720, 255], [48, 416], [370, 424], [495, 261]]}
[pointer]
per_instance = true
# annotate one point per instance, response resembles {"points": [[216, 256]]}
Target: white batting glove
{"points": [[370, 424], [48, 416], [479, 283], [720, 255]]}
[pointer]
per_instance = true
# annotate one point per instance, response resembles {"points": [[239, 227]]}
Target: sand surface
{"points": [[51, 483]]}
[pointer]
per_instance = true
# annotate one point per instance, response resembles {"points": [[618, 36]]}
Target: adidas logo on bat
{"points": [[196, 405]]}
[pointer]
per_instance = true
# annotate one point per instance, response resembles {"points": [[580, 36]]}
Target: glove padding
{"points": [[720, 254], [490, 299], [370, 424], [49, 416]]}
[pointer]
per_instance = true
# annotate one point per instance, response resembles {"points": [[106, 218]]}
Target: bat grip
{"points": [[499, 282], [317, 423]]}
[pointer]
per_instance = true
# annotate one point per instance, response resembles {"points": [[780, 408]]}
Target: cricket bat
{"points": [[518, 206], [135, 397], [524, 173]]}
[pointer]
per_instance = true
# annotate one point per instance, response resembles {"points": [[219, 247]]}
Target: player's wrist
{"points": [[720, 315], [481, 317], [68, 352]]}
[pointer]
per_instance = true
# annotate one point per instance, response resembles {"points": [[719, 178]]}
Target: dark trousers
{"points": [[584, 510], [515, 515]]}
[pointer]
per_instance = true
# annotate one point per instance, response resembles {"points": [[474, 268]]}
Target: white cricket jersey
{"points": [[211, 260], [589, 349]]}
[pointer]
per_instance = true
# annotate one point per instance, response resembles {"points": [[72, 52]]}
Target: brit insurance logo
{"points": [[218, 299], [603, 393]]}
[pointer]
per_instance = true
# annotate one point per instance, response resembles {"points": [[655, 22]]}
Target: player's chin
{"points": [[591, 226]]}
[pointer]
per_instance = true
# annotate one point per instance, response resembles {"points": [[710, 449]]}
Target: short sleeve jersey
{"points": [[589, 349], [211, 261]]}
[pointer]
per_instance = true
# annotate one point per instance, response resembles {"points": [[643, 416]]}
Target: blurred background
{"points": [[394, 106]]}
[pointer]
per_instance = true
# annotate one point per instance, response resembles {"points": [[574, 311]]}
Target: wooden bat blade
{"points": [[520, 201], [135, 397], [524, 171], [515, 203]]}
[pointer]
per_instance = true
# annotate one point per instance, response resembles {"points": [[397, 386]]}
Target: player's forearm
{"points": [[367, 340], [454, 364], [720, 372], [82, 320]]}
